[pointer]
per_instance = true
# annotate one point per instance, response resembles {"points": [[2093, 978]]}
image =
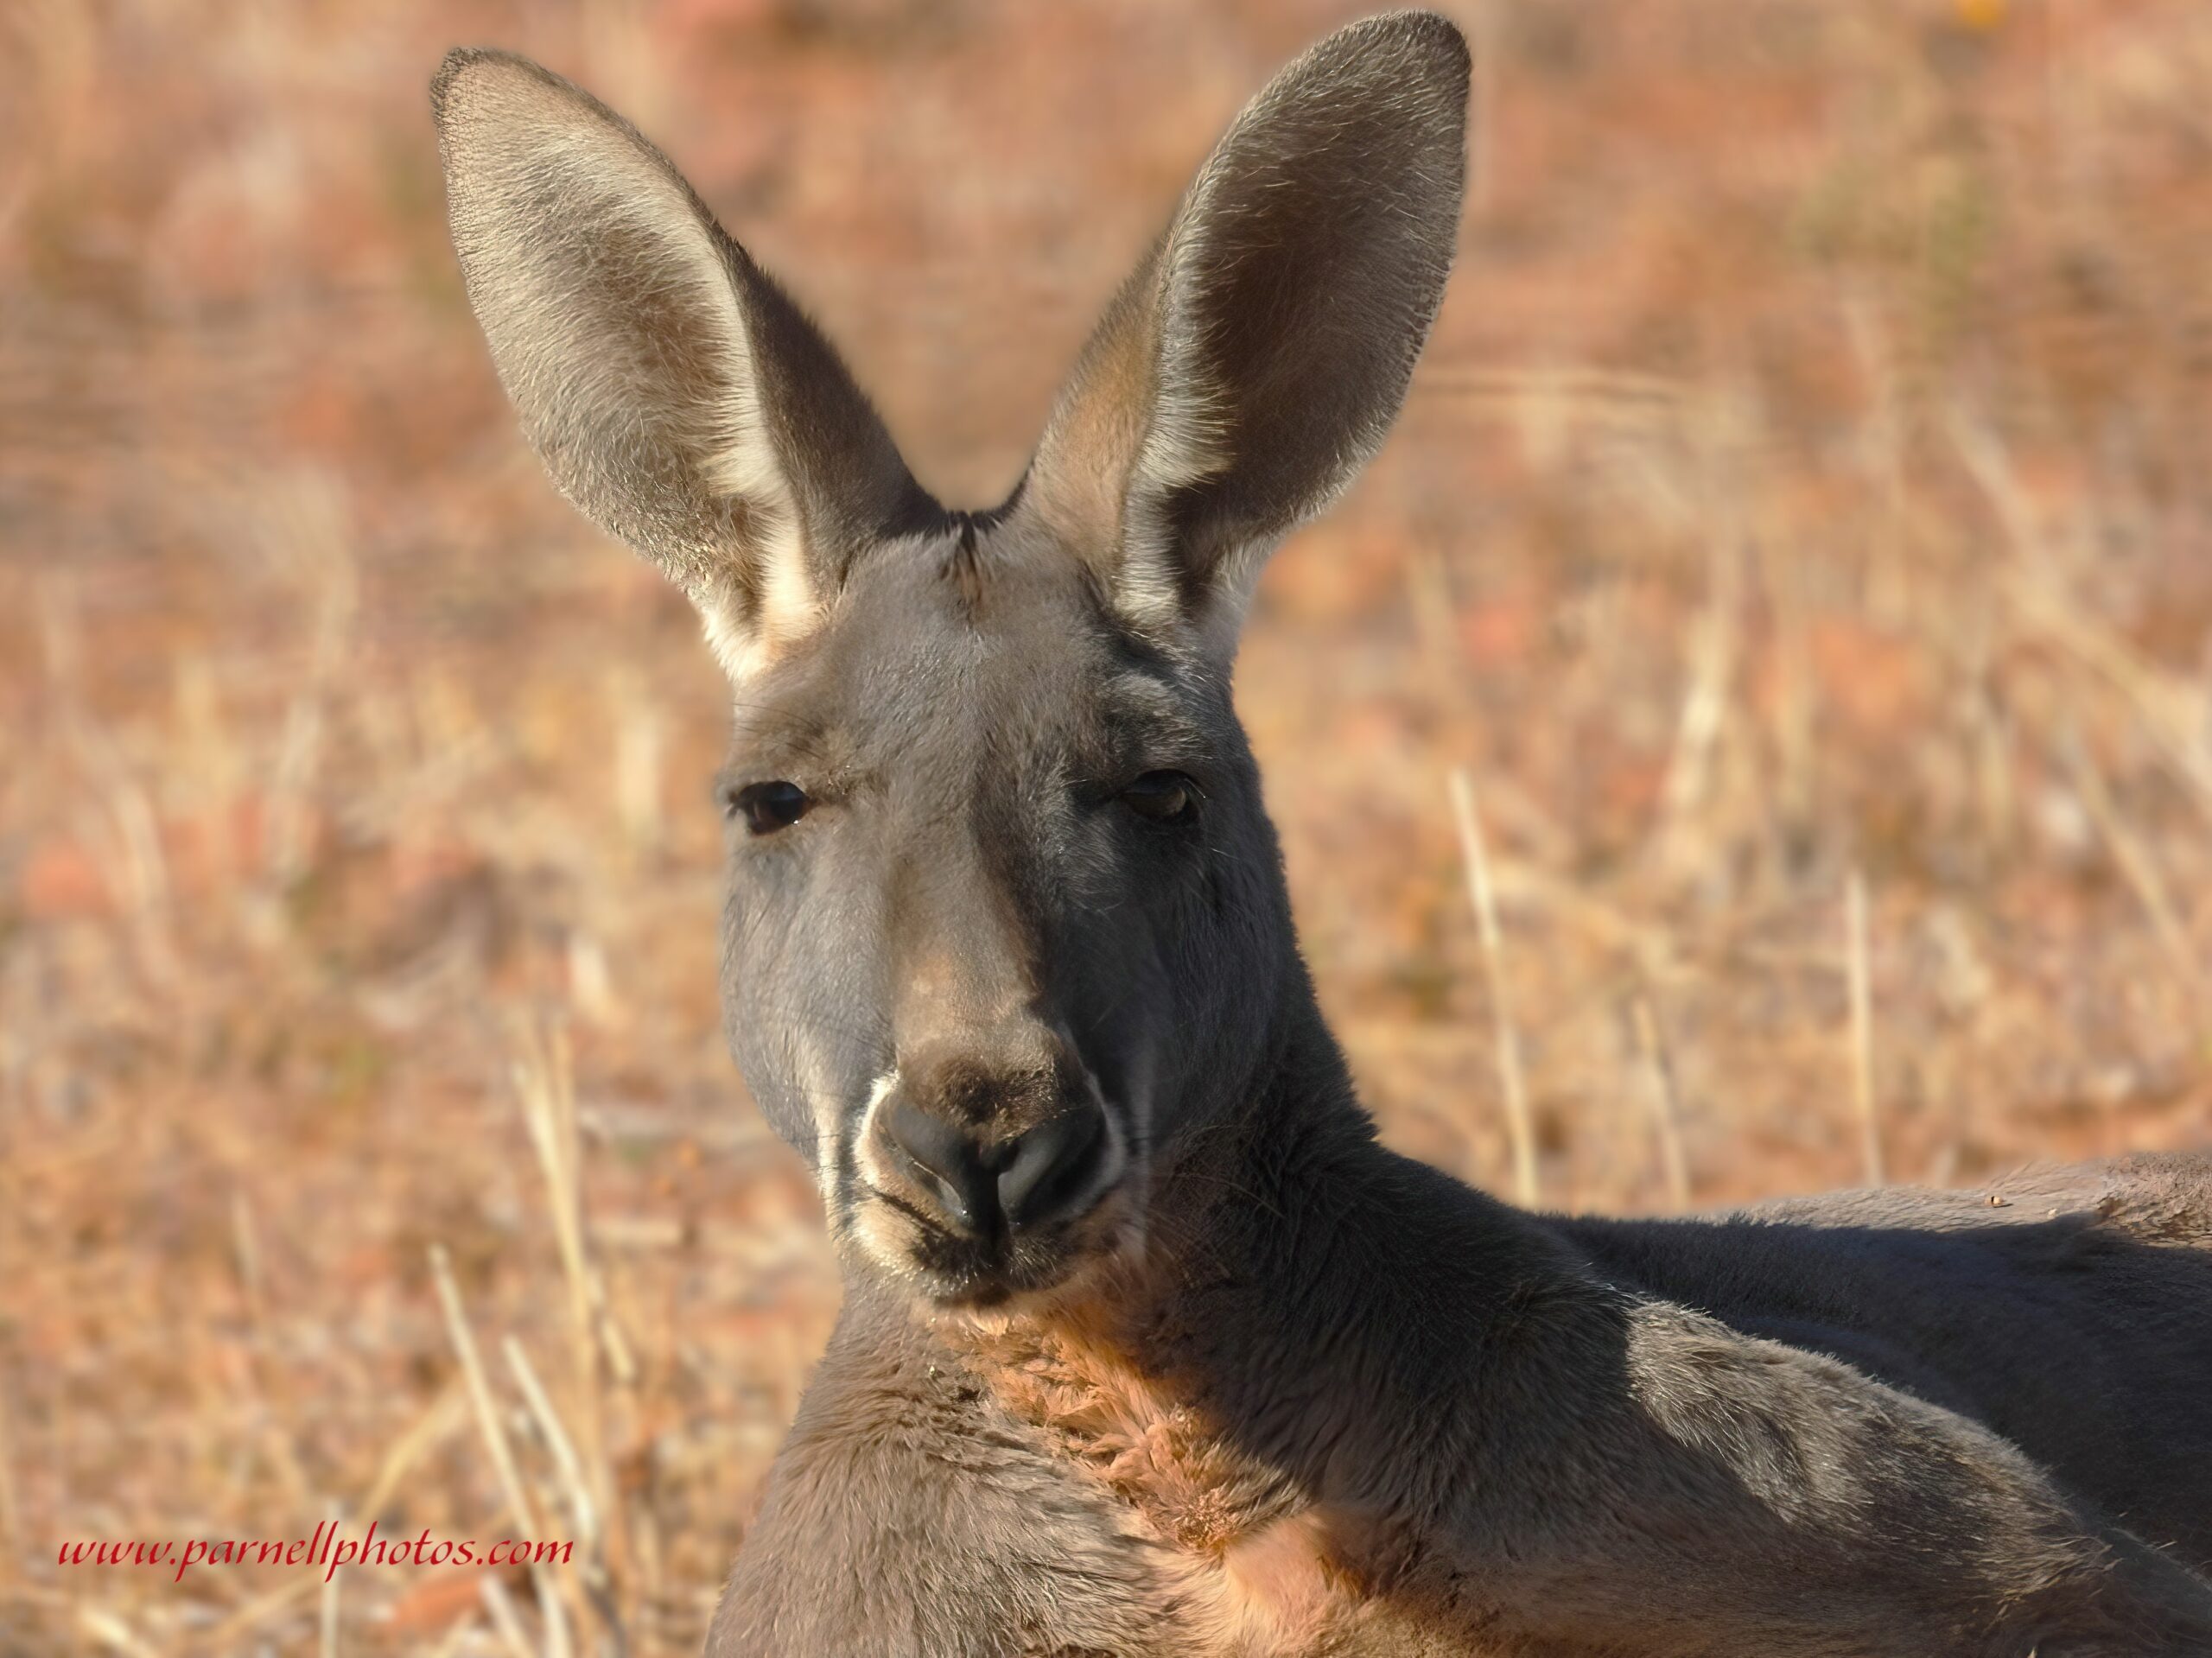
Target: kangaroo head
{"points": [[1006, 931]]}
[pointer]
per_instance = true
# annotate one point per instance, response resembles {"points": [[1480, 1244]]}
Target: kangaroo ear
{"points": [[679, 399], [1256, 358]]}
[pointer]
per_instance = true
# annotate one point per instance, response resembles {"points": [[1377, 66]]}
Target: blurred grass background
{"points": [[1807, 488]]}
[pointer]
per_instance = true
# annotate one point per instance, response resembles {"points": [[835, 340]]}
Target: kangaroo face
{"points": [[1006, 927], [998, 871]]}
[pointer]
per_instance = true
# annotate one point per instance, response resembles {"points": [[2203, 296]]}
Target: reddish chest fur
{"points": [[1258, 1563], [1133, 1431]]}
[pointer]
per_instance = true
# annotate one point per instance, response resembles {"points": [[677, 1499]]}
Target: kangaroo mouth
{"points": [[969, 1271], [957, 1271], [976, 1213]]}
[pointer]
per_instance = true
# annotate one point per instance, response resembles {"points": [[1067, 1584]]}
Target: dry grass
{"points": [[1807, 480]]}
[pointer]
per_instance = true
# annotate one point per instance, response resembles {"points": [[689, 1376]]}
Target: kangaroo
{"points": [[1149, 1347]]}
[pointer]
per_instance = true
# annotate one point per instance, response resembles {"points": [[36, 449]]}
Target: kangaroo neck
{"points": [[1303, 1294]]}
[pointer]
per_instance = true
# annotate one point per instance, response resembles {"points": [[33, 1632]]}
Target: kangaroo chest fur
{"points": [[1255, 1564], [1044, 1453]]}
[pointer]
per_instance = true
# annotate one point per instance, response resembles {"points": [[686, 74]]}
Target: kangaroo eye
{"points": [[768, 807], [1164, 796]]}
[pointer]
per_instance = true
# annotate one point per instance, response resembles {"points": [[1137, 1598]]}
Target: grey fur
{"points": [[1259, 1386]]}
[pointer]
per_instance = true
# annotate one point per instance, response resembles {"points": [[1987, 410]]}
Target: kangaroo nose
{"points": [[1052, 1167], [1038, 1177]]}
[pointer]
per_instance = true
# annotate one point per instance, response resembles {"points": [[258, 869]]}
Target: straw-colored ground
{"points": [[1808, 483]]}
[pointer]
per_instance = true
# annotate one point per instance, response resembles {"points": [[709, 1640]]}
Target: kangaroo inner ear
{"points": [[1259, 355], [677, 397]]}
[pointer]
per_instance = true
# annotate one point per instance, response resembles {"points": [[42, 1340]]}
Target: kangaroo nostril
{"points": [[986, 1188], [950, 1163], [1052, 1166]]}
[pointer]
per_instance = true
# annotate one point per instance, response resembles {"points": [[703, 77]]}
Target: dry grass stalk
{"points": [[1717, 644], [1666, 1102], [1858, 969], [503, 1459], [1511, 1082], [641, 743], [282, 1452], [545, 1085], [582, 1510], [444, 1417], [479, 1394], [2165, 712], [544, 1082], [110, 1631], [2039, 598], [2141, 871], [508, 1622], [584, 1513]]}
